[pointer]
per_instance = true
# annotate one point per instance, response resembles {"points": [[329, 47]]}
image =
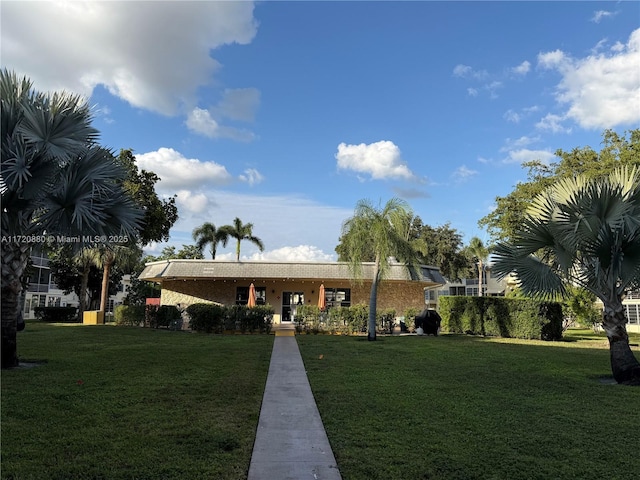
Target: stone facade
{"points": [[396, 295]]}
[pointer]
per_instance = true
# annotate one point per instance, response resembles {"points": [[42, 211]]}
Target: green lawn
{"points": [[457, 407], [131, 403]]}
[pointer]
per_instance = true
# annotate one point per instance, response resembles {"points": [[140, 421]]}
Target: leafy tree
{"points": [[208, 234], [124, 256], [240, 232], [506, 219], [444, 249], [159, 215], [383, 230], [584, 231], [479, 253], [55, 180]]}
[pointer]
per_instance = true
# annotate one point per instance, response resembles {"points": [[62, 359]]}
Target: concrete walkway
{"points": [[291, 442]]}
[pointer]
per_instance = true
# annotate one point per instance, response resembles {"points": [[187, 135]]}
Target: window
{"points": [[337, 297], [242, 295], [633, 315], [430, 296]]}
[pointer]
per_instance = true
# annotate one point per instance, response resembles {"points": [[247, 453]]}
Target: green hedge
{"points": [[57, 314], [503, 317], [130, 315], [210, 318]]}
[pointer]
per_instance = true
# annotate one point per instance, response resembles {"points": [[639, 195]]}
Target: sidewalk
{"points": [[291, 442]]}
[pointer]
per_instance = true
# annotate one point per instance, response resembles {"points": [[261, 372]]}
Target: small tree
{"points": [[383, 230]]}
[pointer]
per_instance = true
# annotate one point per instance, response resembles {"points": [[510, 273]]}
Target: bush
{"points": [[57, 314], [130, 315], [210, 318], [504, 317], [308, 318], [386, 320], [206, 317], [358, 318], [410, 315]]}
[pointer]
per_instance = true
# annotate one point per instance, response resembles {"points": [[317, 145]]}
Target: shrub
{"points": [[57, 314], [206, 317], [358, 318], [308, 318], [410, 315], [505, 317], [386, 320], [130, 315]]}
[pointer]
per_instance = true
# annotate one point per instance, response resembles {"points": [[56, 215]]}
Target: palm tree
{"points": [[478, 250], [55, 180], [584, 232], [208, 234], [126, 256], [240, 232], [85, 259], [383, 230]]}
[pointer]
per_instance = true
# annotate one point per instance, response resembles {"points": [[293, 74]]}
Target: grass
{"points": [[130, 403], [458, 407]]}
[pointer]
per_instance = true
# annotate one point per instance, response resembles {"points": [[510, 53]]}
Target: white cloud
{"points": [[194, 203], [551, 59], [473, 92], [462, 174], [553, 123], [381, 160], [522, 69], [252, 176], [301, 253], [154, 55], [599, 91], [511, 116], [518, 143], [465, 71], [526, 155], [200, 121], [600, 14], [177, 172]]}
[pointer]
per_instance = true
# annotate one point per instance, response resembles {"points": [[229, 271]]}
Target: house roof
{"points": [[214, 269]]}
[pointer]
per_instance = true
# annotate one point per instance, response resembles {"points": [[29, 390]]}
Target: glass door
{"points": [[290, 302]]}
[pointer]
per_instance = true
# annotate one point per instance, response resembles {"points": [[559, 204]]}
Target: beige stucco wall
{"points": [[397, 295]]}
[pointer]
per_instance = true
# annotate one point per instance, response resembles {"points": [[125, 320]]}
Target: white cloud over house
{"points": [[598, 91], [135, 49], [380, 160], [178, 172]]}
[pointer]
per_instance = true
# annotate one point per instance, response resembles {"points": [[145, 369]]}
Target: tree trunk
{"points": [[373, 301], [14, 262], [624, 365], [84, 282], [105, 284], [479, 278]]}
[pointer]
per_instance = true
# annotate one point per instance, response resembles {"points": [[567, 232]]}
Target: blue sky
{"points": [[285, 114]]}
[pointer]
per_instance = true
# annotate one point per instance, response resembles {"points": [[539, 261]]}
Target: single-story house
{"points": [[284, 285]]}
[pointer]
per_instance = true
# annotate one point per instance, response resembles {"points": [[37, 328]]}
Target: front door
{"points": [[290, 302]]}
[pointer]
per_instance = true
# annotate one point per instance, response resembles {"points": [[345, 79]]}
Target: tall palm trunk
{"points": [[480, 278], [14, 262], [624, 365], [373, 300], [84, 283], [105, 283]]}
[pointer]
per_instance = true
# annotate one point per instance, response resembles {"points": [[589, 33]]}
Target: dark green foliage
{"points": [[385, 320], [57, 314], [209, 318], [162, 316], [410, 317], [501, 317], [206, 317], [129, 315]]}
